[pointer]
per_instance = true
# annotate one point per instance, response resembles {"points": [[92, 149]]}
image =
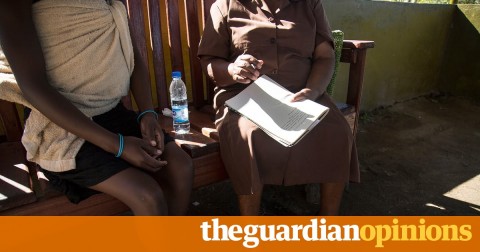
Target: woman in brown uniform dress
{"points": [[290, 41]]}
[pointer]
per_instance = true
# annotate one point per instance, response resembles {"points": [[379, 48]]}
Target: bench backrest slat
{"points": [[193, 36], [158, 53], [137, 29], [209, 85], [173, 22]]}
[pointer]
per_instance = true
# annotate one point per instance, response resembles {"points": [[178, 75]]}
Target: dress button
{"points": [[275, 71], [271, 19], [273, 40]]}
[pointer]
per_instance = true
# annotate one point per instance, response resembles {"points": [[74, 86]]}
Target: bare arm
{"points": [[320, 74], [140, 87], [139, 83], [21, 46]]}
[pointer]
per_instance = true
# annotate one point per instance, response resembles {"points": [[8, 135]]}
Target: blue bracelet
{"points": [[120, 148], [139, 117]]}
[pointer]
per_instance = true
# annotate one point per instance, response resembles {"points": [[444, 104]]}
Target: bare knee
{"points": [[150, 201], [183, 168], [176, 179], [137, 190], [179, 170]]}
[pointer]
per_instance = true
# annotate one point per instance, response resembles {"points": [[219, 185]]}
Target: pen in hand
{"points": [[251, 64]]}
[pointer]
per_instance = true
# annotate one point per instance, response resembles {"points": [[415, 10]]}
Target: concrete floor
{"points": [[419, 157]]}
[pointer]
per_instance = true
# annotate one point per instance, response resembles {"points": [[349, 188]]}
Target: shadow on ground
{"points": [[419, 157]]}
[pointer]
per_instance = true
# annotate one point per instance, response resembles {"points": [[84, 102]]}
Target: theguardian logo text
{"points": [[318, 230]]}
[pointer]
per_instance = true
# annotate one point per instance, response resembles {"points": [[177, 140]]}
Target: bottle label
{"points": [[180, 114]]}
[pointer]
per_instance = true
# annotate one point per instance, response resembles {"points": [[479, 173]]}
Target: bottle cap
{"points": [[176, 74]]}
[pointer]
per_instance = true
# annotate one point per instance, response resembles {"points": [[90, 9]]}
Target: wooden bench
{"points": [[24, 191]]}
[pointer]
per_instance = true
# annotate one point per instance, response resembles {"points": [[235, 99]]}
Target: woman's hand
{"points": [[152, 132], [245, 69], [305, 93], [141, 154]]}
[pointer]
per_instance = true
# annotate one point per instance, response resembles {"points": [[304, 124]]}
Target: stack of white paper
{"points": [[266, 103]]}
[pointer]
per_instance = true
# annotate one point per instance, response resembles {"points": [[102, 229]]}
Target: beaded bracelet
{"points": [[139, 117], [120, 148]]}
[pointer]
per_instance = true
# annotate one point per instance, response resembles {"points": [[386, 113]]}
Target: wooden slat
{"points": [[157, 54], [207, 4], [137, 32], [211, 132], [136, 27], [195, 143], [174, 35], [209, 169], [10, 121], [100, 204], [200, 119], [193, 36]]}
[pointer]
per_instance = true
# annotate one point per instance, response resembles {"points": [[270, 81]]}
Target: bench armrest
{"points": [[358, 44], [355, 53]]}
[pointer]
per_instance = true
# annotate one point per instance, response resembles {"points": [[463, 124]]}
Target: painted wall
{"points": [[410, 42], [461, 67]]}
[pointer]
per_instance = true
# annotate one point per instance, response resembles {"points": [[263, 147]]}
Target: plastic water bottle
{"points": [[178, 96]]}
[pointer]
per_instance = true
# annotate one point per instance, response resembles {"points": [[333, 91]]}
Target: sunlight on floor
{"points": [[435, 206], [468, 191], [15, 184], [22, 167], [475, 208]]}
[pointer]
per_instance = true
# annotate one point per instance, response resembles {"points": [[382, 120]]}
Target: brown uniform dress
{"points": [[285, 41]]}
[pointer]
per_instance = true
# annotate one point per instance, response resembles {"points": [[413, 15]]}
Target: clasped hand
{"points": [[145, 153]]}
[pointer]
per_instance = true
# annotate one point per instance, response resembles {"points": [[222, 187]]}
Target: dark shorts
{"points": [[93, 164]]}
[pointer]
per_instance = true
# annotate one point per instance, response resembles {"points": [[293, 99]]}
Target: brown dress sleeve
{"points": [[323, 33], [215, 40]]}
